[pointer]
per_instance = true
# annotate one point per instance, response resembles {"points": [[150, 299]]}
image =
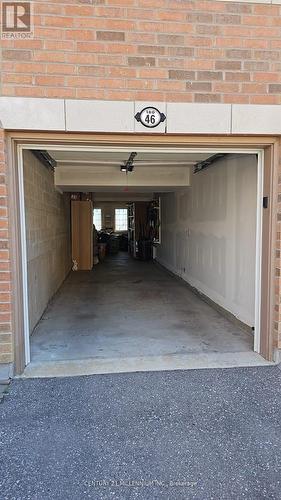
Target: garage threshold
{"points": [[95, 366]]}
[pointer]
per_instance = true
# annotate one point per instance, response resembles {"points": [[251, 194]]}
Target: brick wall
{"points": [[6, 341], [200, 51]]}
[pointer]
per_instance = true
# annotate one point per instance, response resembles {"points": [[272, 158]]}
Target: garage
{"points": [[140, 258]]}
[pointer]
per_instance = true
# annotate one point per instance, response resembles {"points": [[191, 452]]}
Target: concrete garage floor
{"points": [[195, 434], [127, 315]]}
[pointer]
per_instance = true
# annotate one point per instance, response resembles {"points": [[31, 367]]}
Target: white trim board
{"points": [[258, 272], [23, 256], [42, 114], [21, 148]]}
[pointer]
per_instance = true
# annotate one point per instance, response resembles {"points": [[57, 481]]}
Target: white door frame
{"points": [[184, 149]]}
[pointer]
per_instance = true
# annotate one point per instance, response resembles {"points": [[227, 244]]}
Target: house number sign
{"points": [[150, 117]]}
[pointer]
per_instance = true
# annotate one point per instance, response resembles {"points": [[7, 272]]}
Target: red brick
{"points": [[151, 50], [55, 21], [199, 86], [228, 65], [79, 10], [49, 56], [111, 35], [59, 92], [49, 80], [82, 34], [141, 61], [181, 75], [225, 87], [208, 97], [265, 99], [4, 255], [237, 77], [61, 69], [59, 45], [170, 39], [16, 55], [209, 75], [236, 99], [29, 91]]}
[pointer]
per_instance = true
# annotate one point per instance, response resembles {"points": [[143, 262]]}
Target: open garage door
{"points": [[191, 299]]}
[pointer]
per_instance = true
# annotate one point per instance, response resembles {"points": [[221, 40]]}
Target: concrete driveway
{"points": [[197, 434]]}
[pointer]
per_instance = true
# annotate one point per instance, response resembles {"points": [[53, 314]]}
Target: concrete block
{"points": [[26, 113], [256, 119], [99, 116], [192, 118]]}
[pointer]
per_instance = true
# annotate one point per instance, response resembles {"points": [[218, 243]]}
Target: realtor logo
{"points": [[16, 20]]}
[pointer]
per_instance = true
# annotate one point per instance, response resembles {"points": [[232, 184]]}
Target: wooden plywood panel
{"points": [[82, 234]]}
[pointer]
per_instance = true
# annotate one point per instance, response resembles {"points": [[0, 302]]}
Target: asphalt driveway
{"points": [[196, 434]]}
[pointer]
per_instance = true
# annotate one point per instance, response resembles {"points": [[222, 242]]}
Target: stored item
{"points": [[113, 245], [82, 234], [102, 251]]}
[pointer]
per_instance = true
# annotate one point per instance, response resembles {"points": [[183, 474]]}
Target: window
{"points": [[121, 219], [97, 218]]}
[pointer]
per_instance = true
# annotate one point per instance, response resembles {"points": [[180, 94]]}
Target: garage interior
{"points": [[166, 277]]}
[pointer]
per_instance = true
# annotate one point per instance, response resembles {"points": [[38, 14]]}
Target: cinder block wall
{"points": [[195, 50], [48, 236]]}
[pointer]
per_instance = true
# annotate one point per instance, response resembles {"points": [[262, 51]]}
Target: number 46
{"points": [[150, 119]]}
